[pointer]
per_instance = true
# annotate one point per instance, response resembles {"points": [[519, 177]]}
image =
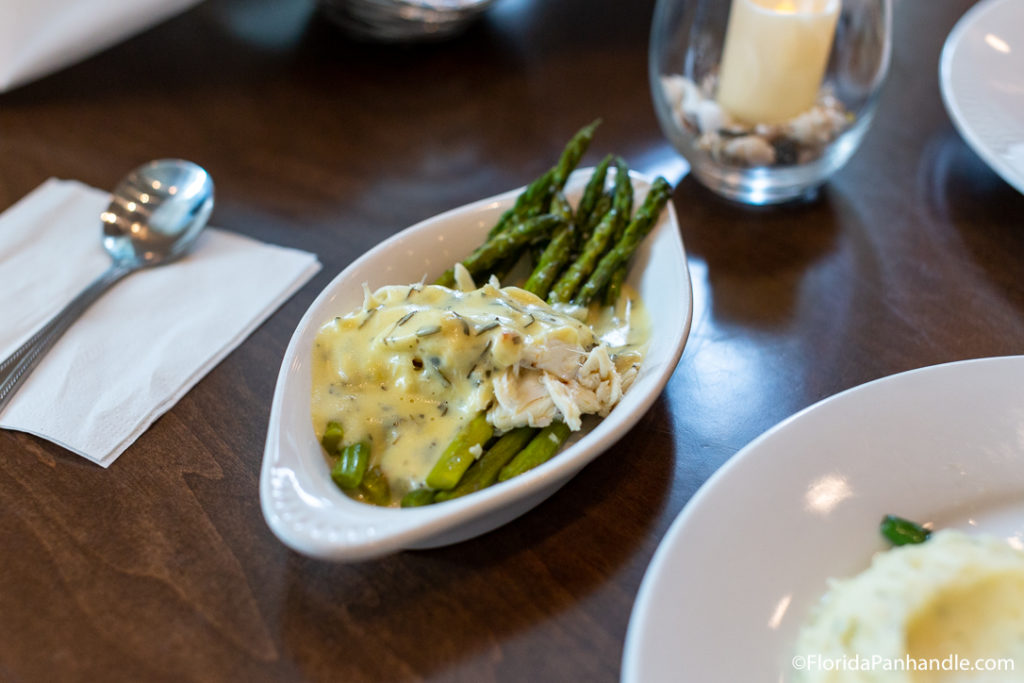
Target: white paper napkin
{"points": [[144, 343], [41, 36]]}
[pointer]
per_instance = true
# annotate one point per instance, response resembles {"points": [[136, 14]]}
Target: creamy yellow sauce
{"points": [[955, 595], [409, 368]]}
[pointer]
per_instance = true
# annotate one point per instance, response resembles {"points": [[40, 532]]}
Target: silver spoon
{"points": [[155, 215]]}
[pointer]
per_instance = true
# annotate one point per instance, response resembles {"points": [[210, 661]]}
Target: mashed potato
{"points": [[955, 597]]}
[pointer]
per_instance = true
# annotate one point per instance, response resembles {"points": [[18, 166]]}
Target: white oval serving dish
{"points": [[305, 509]]}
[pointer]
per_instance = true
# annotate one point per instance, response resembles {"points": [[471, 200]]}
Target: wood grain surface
{"points": [[162, 567]]}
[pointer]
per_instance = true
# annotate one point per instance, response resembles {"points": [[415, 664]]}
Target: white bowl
{"points": [[980, 79], [746, 560], [305, 509]]}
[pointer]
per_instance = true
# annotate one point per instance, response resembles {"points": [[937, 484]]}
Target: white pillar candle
{"points": [[774, 57]]}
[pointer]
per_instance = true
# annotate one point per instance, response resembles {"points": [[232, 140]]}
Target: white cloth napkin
{"points": [[144, 343], [38, 37]]}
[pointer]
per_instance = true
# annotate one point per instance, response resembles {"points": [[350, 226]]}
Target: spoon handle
{"points": [[16, 368]]}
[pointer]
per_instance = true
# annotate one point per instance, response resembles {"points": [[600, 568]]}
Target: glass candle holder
{"points": [[767, 98]]}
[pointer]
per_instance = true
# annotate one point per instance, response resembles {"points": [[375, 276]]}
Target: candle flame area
{"points": [[794, 6]]}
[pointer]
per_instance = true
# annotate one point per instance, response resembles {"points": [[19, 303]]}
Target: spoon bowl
{"points": [[156, 212], [155, 215]]}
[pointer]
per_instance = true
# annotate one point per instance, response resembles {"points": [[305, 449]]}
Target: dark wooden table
{"points": [[162, 568]]}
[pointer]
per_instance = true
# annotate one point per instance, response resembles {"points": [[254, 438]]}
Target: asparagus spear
{"points": [[572, 154], [559, 206], [603, 206], [538, 194], [578, 271], [458, 456], [624, 202], [508, 221], [552, 261], [535, 198], [557, 253], [622, 196], [557, 177], [608, 231], [350, 469], [593, 191], [540, 449], [614, 289], [509, 242], [620, 254], [484, 471], [529, 202]]}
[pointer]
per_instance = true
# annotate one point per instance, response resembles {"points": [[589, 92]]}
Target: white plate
{"points": [[737, 572], [982, 78], [300, 502]]}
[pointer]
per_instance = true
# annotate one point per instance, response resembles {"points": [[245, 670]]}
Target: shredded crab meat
{"points": [[537, 397]]}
